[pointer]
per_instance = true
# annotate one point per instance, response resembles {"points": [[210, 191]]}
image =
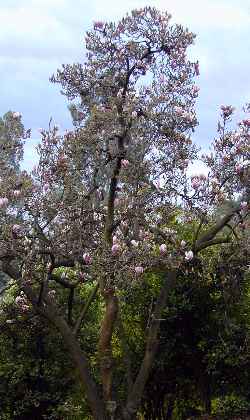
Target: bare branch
{"points": [[85, 309], [212, 242], [212, 232]]}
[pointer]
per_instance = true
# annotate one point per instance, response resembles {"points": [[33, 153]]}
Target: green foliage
{"points": [[35, 373], [229, 406]]}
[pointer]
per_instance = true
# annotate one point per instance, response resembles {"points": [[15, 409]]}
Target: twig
{"points": [[85, 309]]}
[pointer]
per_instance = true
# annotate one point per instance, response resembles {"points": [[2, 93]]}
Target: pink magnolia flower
{"points": [[98, 25], [16, 115], [189, 117], [3, 202], [16, 193], [197, 69], [115, 239], [163, 249], [194, 92], [246, 123], [124, 163], [134, 243], [178, 110], [195, 89], [24, 308], [52, 294], [120, 27], [158, 185], [139, 270], [81, 276], [16, 229], [189, 255], [20, 300], [227, 110], [116, 249], [87, 258], [243, 205], [196, 183], [183, 244], [22, 303]]}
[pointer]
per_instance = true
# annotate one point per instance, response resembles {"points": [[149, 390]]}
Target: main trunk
{"points": [[105, 343]]}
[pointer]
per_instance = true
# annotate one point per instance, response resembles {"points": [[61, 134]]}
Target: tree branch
{"points": [[49, 311], [212, 242], [112, 192], [85, 309], [212, 232], [136, 393], [70, 306]]}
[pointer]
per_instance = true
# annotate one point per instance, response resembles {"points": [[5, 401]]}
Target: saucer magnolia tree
{"points": [[101, 198]]}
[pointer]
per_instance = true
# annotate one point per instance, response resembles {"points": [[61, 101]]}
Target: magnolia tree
{"points": [[102, 196]]}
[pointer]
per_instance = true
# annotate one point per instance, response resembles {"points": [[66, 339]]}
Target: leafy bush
{"points": [[230, 405]]}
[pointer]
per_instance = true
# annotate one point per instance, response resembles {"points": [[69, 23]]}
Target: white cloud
{"points": [[32, 29], [219, 14], [222, 14]]}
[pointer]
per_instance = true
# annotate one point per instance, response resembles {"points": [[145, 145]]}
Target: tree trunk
{"points": [[105, 345]]}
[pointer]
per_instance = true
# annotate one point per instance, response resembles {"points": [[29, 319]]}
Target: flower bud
{"points": [[87, 258], [163, 249], [16, 229], [98, 25], [139, 270], [116, 249], [17, 193], [243, 205], [124, 163]]}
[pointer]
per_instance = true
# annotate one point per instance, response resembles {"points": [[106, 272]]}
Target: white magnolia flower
{"points": [[189, 255]]}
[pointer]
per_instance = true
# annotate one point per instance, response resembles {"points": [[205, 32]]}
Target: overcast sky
{"points": [[37, 36]]}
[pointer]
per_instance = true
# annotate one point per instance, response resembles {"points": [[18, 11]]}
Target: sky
{"points": [[37, 36]]}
